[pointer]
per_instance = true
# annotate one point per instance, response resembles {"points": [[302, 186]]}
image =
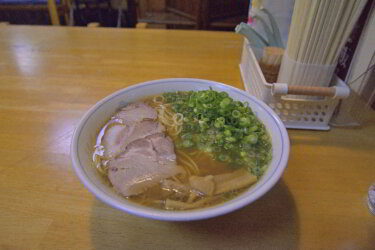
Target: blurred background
{"points": [[355, 65], [169, 14]]}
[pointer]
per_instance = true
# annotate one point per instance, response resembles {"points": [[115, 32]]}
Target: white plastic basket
{"points": [[295, 113]]}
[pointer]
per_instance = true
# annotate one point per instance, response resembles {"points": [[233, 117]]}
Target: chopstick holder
{"points": [[302, 74], [270, 63]]}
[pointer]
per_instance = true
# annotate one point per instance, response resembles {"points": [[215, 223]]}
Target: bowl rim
{"points": [[188, 215]]}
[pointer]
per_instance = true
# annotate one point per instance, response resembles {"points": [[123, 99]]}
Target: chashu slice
{"points": [[163, 145], [136, 112], [143, 165], [117, 136]]}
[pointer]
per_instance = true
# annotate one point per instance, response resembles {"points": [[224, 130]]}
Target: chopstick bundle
{"points": [[317, 34]]}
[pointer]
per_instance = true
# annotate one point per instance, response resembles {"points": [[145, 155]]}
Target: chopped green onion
{"points": [[214, 122], [187, 143], [244, 121], [254, 128], [225, 102], [223, 157], [236, 113], [188, 136], [230, 139], [252, 139], [227, 132]]}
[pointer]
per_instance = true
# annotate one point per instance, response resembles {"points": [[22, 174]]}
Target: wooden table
{"points": [[49, 76]]}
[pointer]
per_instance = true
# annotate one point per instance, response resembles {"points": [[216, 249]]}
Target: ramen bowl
{"points": [[85, 135]]}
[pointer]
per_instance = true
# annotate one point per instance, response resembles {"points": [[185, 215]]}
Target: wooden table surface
{"points": [[49, 76]]}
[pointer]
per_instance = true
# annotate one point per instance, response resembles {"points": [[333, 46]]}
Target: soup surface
{"points": [[183, 150]]}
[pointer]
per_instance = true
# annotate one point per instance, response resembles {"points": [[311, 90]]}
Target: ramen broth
{"points": [[155, 196], [198, 160]]}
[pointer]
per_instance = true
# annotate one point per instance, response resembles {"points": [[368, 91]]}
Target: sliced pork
{"points": [[136, 112], [163, 145], [143, 165], [118, 136], [139, 154]]}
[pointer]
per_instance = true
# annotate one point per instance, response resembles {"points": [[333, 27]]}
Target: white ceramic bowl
{"points": [[87, 129]]}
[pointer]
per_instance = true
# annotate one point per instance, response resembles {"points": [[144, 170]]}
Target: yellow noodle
{"points": [[158, 99], [165, 121], [176, 179], [169, 112], [173, 123], [164, 118], [178, 118], [102, 169], [190, 166], [187, 166], [195, 153], [177, 130], [186, 156], [191, 161]]}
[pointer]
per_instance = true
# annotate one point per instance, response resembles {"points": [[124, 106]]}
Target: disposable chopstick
{"points": [[341, 30], [318, 31], [325, 29], [359, 8], [293, 43], [323, 19], [303, 24], [307, 34], [335, 26]]}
